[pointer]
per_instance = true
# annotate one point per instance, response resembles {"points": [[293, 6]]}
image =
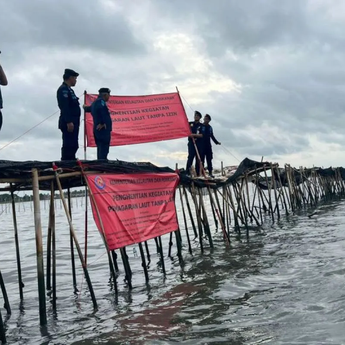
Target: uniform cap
{"points": [[70, 73], [197, 113], [104, 90]]}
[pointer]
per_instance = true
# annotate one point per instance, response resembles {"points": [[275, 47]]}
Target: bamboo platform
{"points": [[238, 199]]}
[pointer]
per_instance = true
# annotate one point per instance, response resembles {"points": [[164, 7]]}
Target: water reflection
{"points": [[283, 286]]}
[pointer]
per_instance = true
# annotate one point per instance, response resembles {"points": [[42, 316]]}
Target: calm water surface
{"points": [[283, 286]]}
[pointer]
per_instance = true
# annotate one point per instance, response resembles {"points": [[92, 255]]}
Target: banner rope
{"points": [[226, 150], [30, 129], [81, 277]]}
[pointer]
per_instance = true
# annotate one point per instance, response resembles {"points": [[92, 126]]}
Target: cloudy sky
{"points": [[271, 73]]}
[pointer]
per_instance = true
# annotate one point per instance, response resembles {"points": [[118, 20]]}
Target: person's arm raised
{"points": [[3, 78]]}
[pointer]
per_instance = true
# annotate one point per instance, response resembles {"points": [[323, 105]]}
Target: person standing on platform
{"points": [[69, 120], [102, 123], [195, 142], [207, 147], [3, 82]]}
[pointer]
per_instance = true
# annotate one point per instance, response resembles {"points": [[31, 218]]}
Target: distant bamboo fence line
{"points": [[77, 201]]}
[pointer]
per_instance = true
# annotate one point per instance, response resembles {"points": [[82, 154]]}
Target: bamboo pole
{"points": [[53, 241], [39, 248], [257, 176], [170, 244], [114, 256], [303, 185], [86, 272], [269, 194], [2, 331], [292, 196], [227, 210], [5, 296], [240, 210], [237, 226], [16, 239], [206, 223], [161, 254], [49, 243], [147, 254], [248, 198], [275, 190], [213, 208], [190, 213], [127, 267], [178, 238], [226, 236], [143, 262], [111, 263], [283, 191], [86, 226], [74, 275], [185, 221], [197, 216]]}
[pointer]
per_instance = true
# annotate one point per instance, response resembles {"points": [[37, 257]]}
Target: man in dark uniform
{"points": [[207, 147], [102, 123], [197, 129], [3, 82], [69, 120]]}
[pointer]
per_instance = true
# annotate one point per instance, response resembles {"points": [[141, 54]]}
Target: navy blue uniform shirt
{"points": [[196, 128], [69, 106], [208, 135], [101, 114]]}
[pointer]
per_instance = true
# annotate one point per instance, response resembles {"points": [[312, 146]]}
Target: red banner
{"points": [[134, 207], [142, 119]]}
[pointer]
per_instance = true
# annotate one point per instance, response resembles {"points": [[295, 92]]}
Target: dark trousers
{"points": [[70, 143], [0, 120], [208, 155], [191, 155], [102, 139]]}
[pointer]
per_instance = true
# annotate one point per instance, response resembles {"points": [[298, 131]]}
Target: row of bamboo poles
{"points": [[27, 206], [234, 207]]}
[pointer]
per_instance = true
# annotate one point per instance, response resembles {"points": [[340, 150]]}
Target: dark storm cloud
{"points": [[40, 39], [67, 25], [243, 25]]}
